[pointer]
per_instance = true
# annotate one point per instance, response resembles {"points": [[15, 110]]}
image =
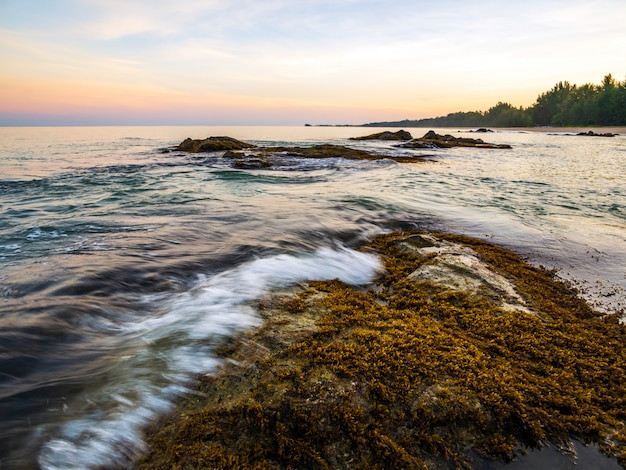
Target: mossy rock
{"points": [[595, 134], [412, 373], [233, 147], [212, 144], [386, 135], [339, 151], [324, 151], [433, 140], [252, 163]]}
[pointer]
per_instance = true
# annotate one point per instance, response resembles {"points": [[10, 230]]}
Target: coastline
{"points": [[620, 130], [460, 354], [172, 224]]}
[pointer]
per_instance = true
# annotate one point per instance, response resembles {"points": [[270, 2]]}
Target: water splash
{"points": [[168, 348]]}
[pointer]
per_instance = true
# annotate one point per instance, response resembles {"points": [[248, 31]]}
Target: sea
{"points": [[123, 262]]}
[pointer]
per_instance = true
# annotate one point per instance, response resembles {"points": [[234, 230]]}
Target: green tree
{"points": [[564, 105], [505, 115], [550, 104]]}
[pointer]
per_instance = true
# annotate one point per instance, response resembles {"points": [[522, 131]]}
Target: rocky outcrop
{"points": [[387, 135], [248, 161], [325, 151], [593, 134], [460, 352], [263, 159], [334, 151], [433, 140], [212, 144]]}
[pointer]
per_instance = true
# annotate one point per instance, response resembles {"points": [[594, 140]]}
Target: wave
{"points": [[166, 349]]}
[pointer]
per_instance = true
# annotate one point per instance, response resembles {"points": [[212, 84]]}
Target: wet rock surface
{"points": [[460, 355], [433, 140], [249, 156], [386, 135], [594, 134], [212, 144]]}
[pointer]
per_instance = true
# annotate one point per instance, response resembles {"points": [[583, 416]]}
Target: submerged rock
{"points": [[248, 161], [433, 140], [460, 352], [386, 135], [212, 144], [325, 151], [252, 163], [593, 134], [267, 154], [338, 151]]}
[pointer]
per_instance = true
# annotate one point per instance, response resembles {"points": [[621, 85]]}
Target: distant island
{"points": [[564, 105]]}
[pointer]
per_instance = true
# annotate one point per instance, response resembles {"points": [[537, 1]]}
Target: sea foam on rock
{"points": [[460, 352]]}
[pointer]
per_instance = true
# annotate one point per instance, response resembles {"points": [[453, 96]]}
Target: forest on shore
{"points": [[564, 105]]}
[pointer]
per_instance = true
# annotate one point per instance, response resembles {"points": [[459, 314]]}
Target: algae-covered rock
{"points": [[253, 163], [433, 140], [264, 156], [421, 371], [248, 161], [458, 267], [325, 151], [212, 144], [339, 151], [596, 134], [386, 135]]}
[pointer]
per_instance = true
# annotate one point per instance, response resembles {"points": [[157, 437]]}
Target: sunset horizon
{"points": [[277, 63]]}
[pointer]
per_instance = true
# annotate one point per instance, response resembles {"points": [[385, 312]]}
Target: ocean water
{"points": [[122, 266]]}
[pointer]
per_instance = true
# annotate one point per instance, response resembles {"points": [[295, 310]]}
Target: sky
{"points": [[290, 62]]}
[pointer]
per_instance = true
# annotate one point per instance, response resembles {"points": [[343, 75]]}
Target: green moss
{"points": [[408, 375]]}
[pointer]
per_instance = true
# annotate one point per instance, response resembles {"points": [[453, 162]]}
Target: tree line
{"points": [[564, 105]]}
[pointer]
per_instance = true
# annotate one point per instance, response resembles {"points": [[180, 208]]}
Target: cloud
{"points": [[388, 54], [116, 19], [23, 56]]}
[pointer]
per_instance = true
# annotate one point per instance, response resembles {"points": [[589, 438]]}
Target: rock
{"points": [[325, 151], [232, 149], [212, 144], [593, 134], [458, 267], [248, 161], [433, 140], [253, 163], [386, 135], [460, 354], [232, 154], [340, 151], [483, 130]]}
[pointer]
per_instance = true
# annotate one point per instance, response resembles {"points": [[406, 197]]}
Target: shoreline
{"points": [[620, 130], [460, 354]]}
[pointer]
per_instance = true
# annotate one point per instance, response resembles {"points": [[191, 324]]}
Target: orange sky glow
{"points": [[279, 62]]}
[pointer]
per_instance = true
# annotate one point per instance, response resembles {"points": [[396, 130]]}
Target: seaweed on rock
{"points": [[409, 374]]}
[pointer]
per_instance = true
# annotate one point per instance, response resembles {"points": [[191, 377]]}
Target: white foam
{"points": [[37, 232], [174, 344], [12, 247]]}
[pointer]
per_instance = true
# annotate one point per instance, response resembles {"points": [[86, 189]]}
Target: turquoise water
{"points": [[121, 265]]}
